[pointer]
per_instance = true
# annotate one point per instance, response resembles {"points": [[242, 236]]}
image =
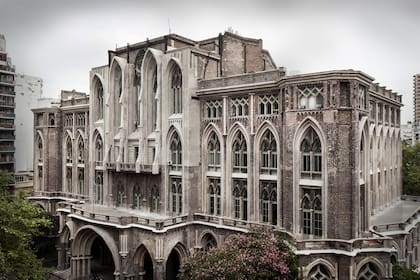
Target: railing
{"points": [[155, 223], [128, 166], [61, 195], [344, 245]]}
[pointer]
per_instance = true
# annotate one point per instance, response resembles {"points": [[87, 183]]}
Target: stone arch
{"points": [[82, 246], [208, 240], [39, 205], [375, 262], [175, 260], [143, 263], [300, 132], [329, 267], [64, 247]]}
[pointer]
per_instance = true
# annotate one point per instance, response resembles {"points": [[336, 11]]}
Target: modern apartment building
{"points": [[7, 110]]}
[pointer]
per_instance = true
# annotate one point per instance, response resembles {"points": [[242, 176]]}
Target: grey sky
{"points": [[60, 41]]}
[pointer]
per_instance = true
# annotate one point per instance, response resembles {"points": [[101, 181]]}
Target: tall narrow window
{"points": [[268, 154], [81, 181], [311, 209], [98, 151], [176, 88], [311, 167], [176, 195], [100, 100], [98, 188], [268, 202], [240, 199], [240, 159], [40, 152], [155, 100], [137, 197], [214, 196], [69, 175], [154, 199], [213, 153], [69, 151], [81, 152], [176, 153], [120, 195]]}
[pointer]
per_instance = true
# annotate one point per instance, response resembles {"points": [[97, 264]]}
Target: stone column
{"points": [[61, 257], [159, 270]]}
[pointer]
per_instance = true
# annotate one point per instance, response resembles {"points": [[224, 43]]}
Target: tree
{"points": [[403, 273], [260, 254], [411, 169], [20, 222]]}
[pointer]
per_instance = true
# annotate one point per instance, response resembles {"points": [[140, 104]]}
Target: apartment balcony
{"points": [[7, 126], [7, 83], [7, 115], [7, 104], [7, 159], [7, 138], [7, 93], [7, 149]]}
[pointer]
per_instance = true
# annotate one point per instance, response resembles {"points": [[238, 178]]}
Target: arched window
{"points": [[213, 149], [69, 151], [40, 151], [176, 193], [137, 197], [268, 202], [99, 100], [155, 100], [214, 196], [240, 159], [81, 151], [368, 272], [208, 241], [268, 148], [98, 188], [81, 180], [69, 175], [154, 199], [176, 152], [319, 272], [311, 156], [176, 88], [99, 151], [240, 199], [117, 92], [120, 195], [311, 207]]}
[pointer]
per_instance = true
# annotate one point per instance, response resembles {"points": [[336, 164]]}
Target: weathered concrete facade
{"points": [[184, 143]]}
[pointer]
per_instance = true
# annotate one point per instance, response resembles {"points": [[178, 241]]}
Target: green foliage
{"points": [[411, 169], [260, 254], [402, 273], [20, 222]]}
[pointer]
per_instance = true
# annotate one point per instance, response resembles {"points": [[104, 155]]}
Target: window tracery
{"points": [[240, 159], [214, 109], [213, 149], [268, 148], [268, 105], [310, 97], [239, 106]]}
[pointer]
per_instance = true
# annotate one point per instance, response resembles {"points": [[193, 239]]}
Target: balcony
{"points": [[7, 126], [7, 93], [7, 149], [4, 138], [122, 217], [7, 104], [7, 115]]}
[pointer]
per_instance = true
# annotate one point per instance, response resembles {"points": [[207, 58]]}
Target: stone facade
{"points": [[183, 143]]}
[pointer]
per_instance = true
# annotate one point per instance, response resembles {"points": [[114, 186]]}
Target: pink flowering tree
{"points": [[260, 254]]}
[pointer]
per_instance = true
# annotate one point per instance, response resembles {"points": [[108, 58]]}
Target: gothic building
{"points": [[182, 143]]}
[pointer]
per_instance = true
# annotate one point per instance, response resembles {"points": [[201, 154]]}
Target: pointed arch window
{"points": [[213, 149], [99, 151], [155, 198], [154, 97], [81, 152], [268, 148], [319, 272], [240, 158], [69, 151], [268, 202], [214, 196], [69, 175], [240, 199], [311, 211], [98, 188], [81, 181], [99, 100], [40, 151], [176, 194], [311, 155], [368, 272], [137, 197], [120, 195], [176, 88], [176, 153]]}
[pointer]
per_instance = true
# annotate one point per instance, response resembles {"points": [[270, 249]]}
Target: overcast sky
{"points": [[60, 41]]}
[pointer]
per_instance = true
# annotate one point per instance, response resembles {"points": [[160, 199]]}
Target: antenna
{"points": [[169, 26]]}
